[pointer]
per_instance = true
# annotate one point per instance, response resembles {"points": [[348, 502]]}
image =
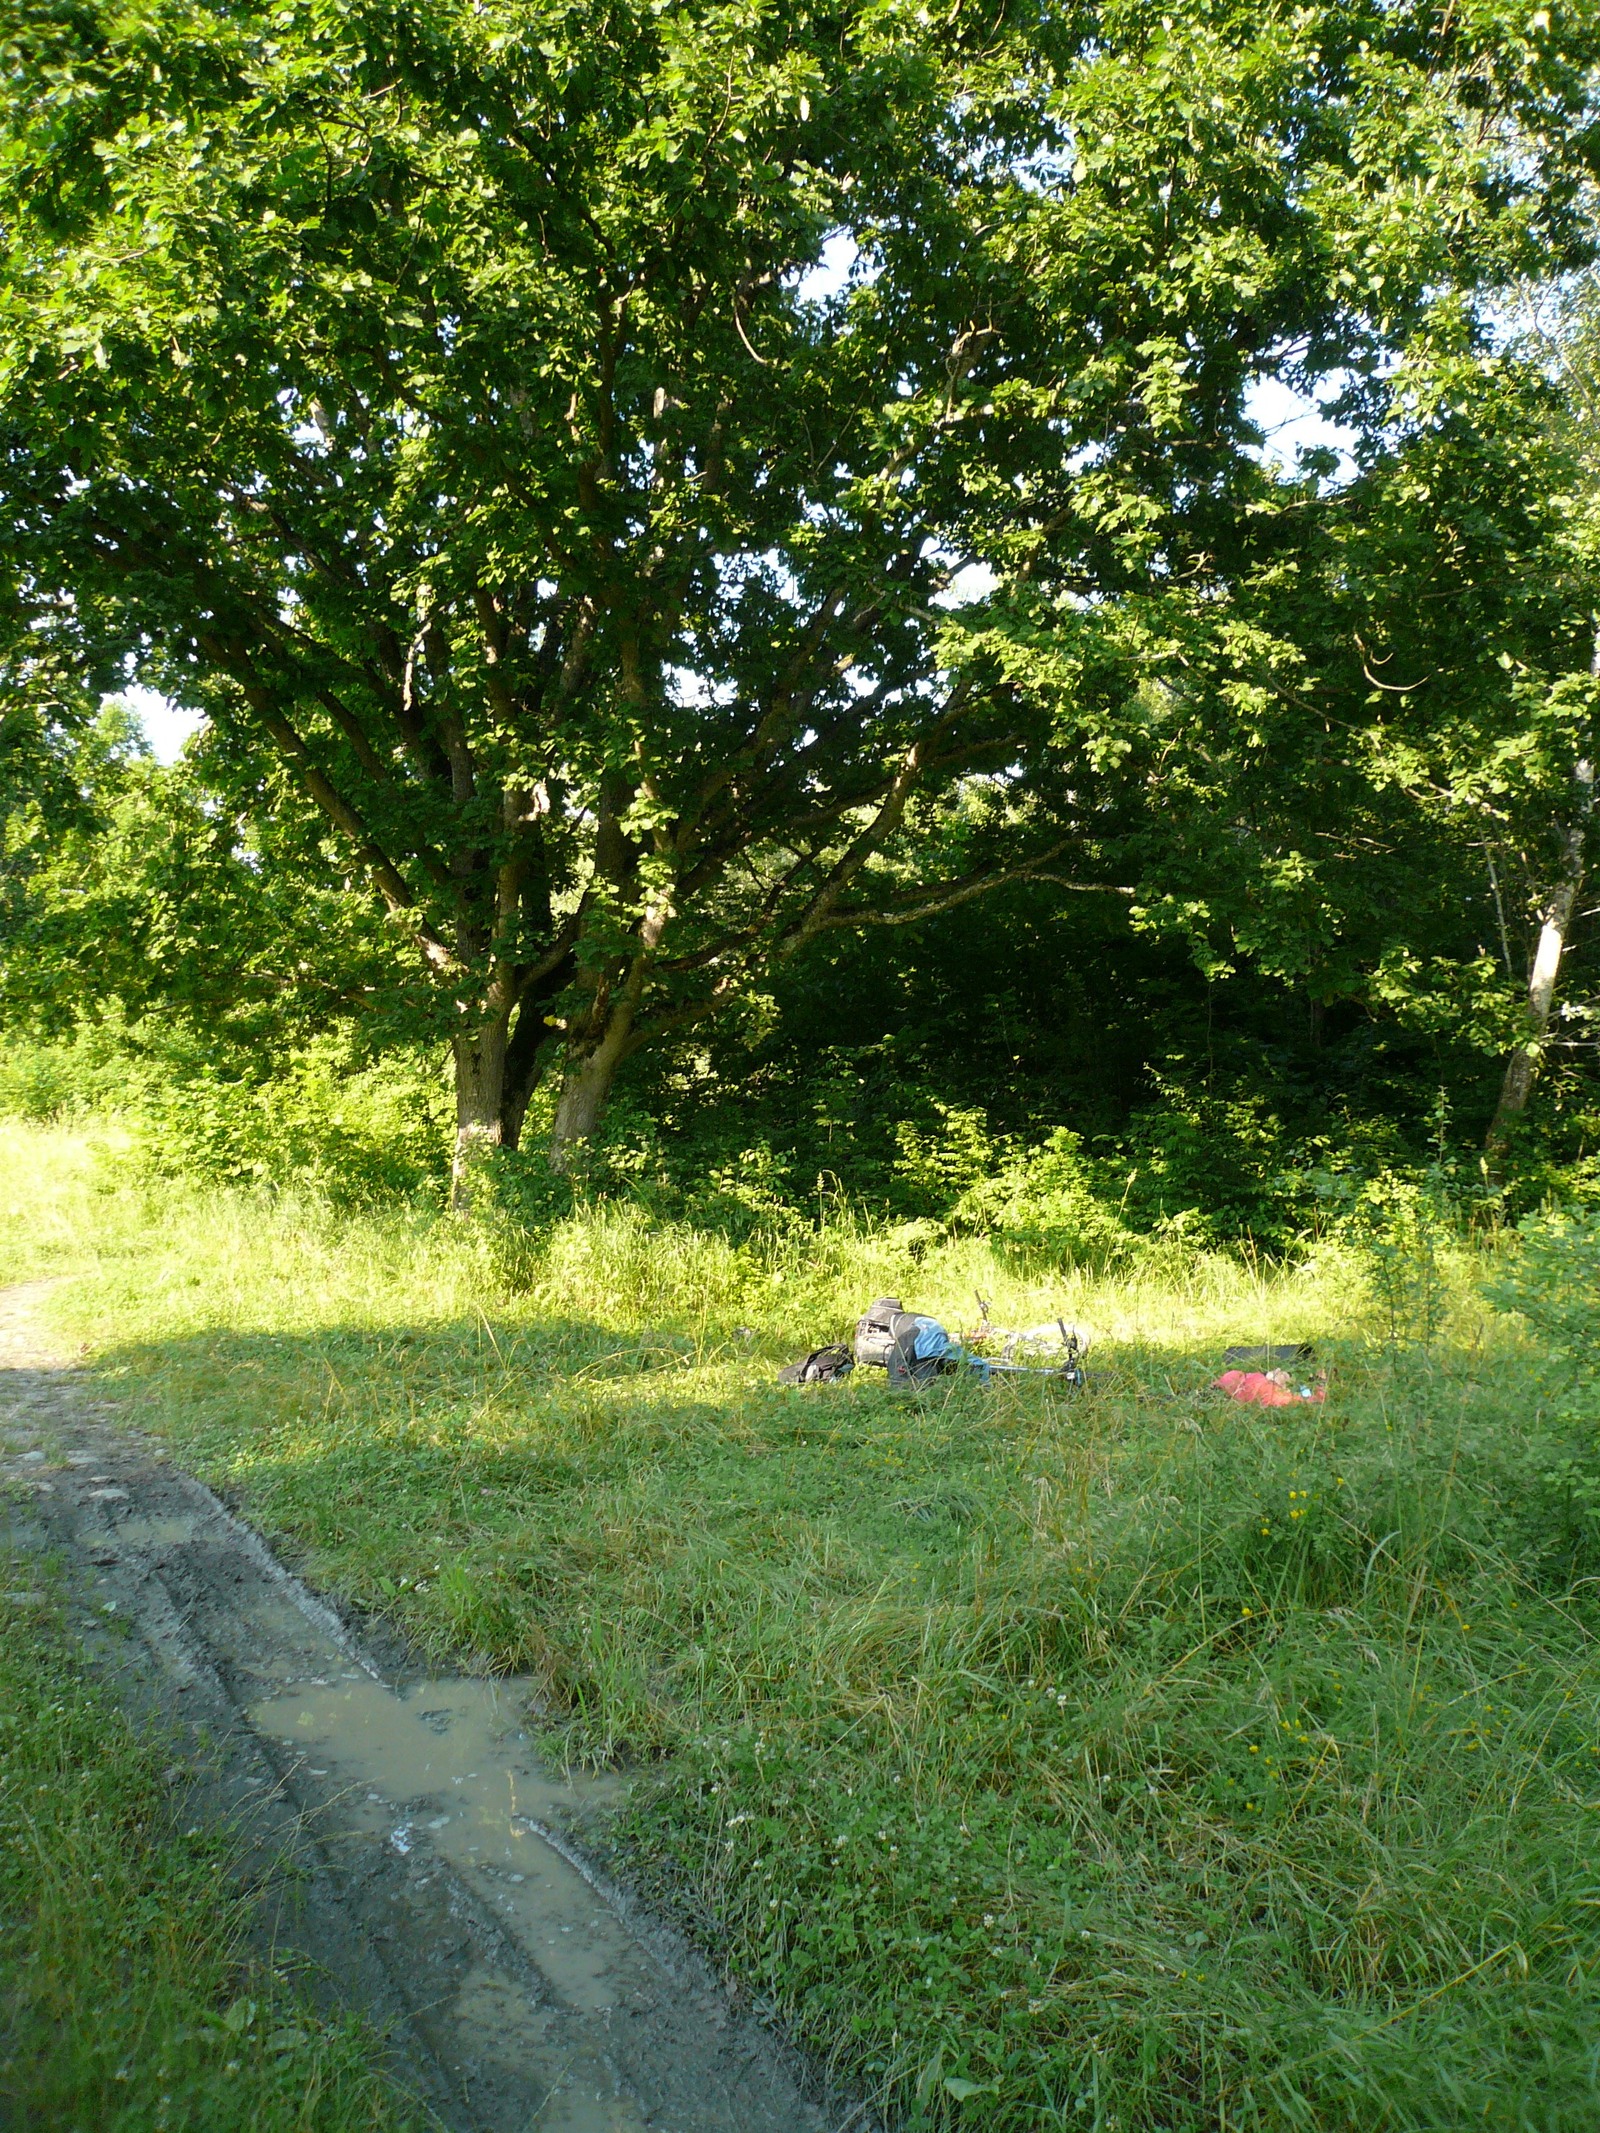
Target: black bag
{"points": [[821, 1367]]}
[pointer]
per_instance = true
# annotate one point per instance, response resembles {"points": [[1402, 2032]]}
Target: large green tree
{"points": [[442, 400]]}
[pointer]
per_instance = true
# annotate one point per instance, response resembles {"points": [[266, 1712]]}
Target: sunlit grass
{"points": [[1126, 1760]]}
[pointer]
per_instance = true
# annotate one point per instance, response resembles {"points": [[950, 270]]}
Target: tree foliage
{"points": [[447, 402], [146, 900]]}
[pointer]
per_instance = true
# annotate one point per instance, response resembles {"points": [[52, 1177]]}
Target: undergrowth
{"points": [[1128, 1760]]}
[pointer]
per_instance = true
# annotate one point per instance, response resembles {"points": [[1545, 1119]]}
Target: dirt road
{"points": [[398, 1830]]}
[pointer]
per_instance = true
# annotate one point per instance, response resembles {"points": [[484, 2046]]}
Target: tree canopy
{"points": [[666, 483]]}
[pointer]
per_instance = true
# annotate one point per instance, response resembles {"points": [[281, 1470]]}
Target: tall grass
{"points": [[1125, 1760], [83, 1201]]}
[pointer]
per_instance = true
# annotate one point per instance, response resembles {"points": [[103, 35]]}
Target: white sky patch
{"points": [[839, 255], [166, 725], [971, 582], [1289, 420], [694, 693]]}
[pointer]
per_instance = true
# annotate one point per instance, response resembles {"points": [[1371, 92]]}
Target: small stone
{"points": [[25, 1599], [107, 1496], [33, 1458]]}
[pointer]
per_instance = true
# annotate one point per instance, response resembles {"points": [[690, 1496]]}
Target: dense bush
{"points": [[312, 1115]]}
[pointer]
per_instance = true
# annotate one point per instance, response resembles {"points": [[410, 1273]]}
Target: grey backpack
{"points": [[886, 1336], [879, 1332]]}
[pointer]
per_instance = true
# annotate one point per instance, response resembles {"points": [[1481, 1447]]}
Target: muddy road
{"points": [[402, 1843]]}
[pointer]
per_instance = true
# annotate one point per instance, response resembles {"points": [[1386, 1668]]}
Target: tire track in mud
{"points": [[402, 1843]]}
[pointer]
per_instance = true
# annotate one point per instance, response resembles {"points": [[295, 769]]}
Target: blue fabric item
{"points": [[931, 1342]]}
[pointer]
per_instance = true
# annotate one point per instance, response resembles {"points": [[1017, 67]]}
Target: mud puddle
{"points": [[444, 1770], [430, 1881]]}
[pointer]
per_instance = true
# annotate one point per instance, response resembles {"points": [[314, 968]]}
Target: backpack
{"points": [[886, 1335], [821, 1367], [877, 1331]]}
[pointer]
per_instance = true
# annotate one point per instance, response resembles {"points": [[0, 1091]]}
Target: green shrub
{"points": [[43, 1082], [1550, 1277], [360, 1135], [1048, 1203], [359, 1132], [1403, 1230]]}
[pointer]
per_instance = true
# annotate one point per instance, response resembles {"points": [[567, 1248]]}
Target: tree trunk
{"points": [[480, 1105], [589, 1074], [1522, 1068]]}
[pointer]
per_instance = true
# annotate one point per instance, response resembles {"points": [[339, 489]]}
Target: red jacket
{"points": [[1256, 1389]]}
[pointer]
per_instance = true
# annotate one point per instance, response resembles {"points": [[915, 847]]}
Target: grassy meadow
{"points": [[1122, 1760]]}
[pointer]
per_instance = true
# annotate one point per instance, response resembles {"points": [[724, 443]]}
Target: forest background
{"points": [[951, 748]]}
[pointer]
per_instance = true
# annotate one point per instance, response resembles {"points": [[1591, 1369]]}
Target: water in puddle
{"points": [[156, 1532], [446, 1767]]}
